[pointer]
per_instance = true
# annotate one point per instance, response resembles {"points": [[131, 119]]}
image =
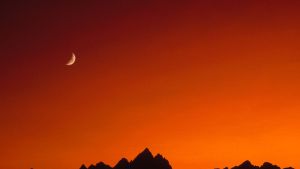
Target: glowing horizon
{"points": [[206, 84]]}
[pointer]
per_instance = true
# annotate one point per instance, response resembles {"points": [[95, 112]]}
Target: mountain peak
{"points": [[83, 167], [122, 164], [102, 165], [268, 165], [144, 160], [246, 165], [146, 151], [146, 154], [159, 156]]}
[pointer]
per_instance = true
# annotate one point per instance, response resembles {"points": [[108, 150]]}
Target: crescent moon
{"points": [[72, 60]]}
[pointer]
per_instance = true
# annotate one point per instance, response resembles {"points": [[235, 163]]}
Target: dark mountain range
{"points": [[145, 160], [247, 165]]}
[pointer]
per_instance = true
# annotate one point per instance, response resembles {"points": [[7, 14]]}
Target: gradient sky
{"points": [[206, 83]]}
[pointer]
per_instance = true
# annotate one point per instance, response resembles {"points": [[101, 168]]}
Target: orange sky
{"points": [[207, 84]]}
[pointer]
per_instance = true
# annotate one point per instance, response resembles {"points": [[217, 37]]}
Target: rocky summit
{"points": [[247, 165], [144, 160]]}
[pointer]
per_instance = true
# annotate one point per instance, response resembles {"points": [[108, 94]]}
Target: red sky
{"points": [[206, 83]]}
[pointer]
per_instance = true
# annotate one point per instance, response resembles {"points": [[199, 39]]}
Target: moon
{"points": [[72, 60]]}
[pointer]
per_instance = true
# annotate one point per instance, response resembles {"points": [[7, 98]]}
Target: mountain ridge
{"points": [[146, 160], [248, 165]]}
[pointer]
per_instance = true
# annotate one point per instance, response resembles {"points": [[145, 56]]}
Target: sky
{"points": [[205, 83]]}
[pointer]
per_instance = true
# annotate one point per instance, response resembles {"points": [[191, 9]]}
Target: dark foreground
{"points": [[145, 160]]}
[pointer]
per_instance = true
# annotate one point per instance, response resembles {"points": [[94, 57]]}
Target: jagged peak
{"points": [[146, 154], [92, 166], [122, 163], [83, 167], [245, 165], [159, 156], [124, 160], [247, 162], [146, 151], [102, 165], [267, 165]]}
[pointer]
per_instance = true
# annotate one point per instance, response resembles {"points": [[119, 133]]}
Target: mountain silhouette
{"points": [[144, 160], [122, 164], [247, 165]]}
